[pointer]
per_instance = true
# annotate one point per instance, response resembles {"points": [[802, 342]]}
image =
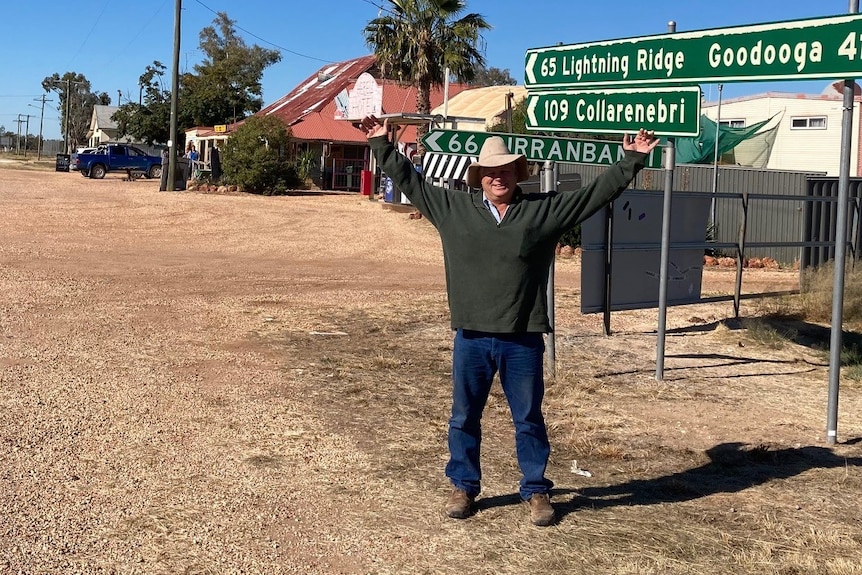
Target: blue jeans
{"points": [[476, 358]]}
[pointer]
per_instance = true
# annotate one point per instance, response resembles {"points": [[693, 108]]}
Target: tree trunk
{"points": [[423, 106]]}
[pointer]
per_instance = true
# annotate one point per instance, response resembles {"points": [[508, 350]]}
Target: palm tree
{"points": [[418, 40]]}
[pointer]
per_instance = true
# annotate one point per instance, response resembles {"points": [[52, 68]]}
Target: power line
{"points": [[380, 8], [141, 30], [87, 37], [281, 48]]}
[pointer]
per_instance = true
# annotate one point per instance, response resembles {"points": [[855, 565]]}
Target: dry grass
{"points": [[198, 384]]}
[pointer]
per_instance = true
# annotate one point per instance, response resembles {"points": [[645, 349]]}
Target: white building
{"points": [[809, 127]]}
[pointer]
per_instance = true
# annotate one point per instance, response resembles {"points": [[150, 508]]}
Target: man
{"points": [[498, 247]]}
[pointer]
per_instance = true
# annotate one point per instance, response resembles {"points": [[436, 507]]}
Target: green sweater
{"points": [[497, 274]]}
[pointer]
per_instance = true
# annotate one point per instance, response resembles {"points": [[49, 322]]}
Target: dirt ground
{"points": [[206, 383]]}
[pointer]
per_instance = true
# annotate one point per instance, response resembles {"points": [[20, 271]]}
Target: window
{"points": [[809, 123], [732, 123]]}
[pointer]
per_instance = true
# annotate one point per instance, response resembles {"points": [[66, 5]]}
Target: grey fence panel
{"points": [[821, 220], [769, 220]]}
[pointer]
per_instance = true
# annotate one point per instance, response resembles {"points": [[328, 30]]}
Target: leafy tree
{"points": [[226, 86], [417, 40], [492, 77], [76, 104], [255, 157], [150, 120]]}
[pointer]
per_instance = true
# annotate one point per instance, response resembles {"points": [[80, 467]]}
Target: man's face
{"points": [[499, 183]]}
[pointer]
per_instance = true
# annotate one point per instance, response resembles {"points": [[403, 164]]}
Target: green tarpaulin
{"points": [[701, 149]]}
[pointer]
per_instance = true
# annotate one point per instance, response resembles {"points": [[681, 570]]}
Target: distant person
{"points": [[498, 248], [191, 153]]}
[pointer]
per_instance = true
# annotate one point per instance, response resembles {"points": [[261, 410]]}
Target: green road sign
{"points": [[667, 111], [795, 50], [535, 148]]}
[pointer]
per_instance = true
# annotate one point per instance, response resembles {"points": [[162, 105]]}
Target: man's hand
{"points": [[373, 127], [643, 142]]}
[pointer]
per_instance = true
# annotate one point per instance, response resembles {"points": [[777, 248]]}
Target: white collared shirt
{"points": [[492, 208]]}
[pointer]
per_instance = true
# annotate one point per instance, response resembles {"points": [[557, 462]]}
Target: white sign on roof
{"points": [[341, 105], [366, 97]]}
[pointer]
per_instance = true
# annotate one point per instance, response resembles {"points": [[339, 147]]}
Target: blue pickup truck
{"points": [[118, 158]]}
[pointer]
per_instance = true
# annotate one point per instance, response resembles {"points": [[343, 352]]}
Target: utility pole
{"points": [[41, 124], [65, 104], [175, 87], [26, 135], [68, 114], [18, 140], [66, 120], [67, 124]]}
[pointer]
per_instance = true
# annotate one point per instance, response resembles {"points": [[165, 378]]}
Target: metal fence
{"points": [[820, 220], [774, 217]]}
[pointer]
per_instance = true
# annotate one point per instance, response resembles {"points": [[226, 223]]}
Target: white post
{"points": [[715, 160]]}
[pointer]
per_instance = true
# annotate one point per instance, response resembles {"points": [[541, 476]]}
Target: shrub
{"points": [[816, 287], [306, 163], [255, 157], [572, 237]]}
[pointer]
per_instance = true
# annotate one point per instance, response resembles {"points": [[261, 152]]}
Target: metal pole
{"points": [[65, 105], [835, 343], [609, 260], [715, 160], [41, 123], [175, 88], [18, 139], [740, 253], [26, 134], [68, 112], [669, 165], [446, 94], [549, 184], [509, 96]]}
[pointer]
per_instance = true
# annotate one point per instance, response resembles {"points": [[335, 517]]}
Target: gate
{"points": [[346, 174]]}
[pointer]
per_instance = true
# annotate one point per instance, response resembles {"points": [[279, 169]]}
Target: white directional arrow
{"points": [[531, 63], [430, 141], [534, 148], [531, 110]]}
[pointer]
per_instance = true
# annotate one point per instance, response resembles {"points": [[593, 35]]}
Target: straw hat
{"points": [[494, 154]]}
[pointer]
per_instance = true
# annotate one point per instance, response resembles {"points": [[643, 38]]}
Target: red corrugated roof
{"points": [[309, 109], [318, 90], [322, 126]]}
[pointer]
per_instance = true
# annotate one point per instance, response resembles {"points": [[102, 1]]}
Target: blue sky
{"points": [[112, 45]]}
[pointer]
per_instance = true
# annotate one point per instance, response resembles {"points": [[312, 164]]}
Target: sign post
{"points": [[836, 336], [669, 166], [825, 48]]}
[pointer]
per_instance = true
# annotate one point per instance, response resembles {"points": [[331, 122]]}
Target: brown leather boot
{"points": [[459, 505], [541, 512]]}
